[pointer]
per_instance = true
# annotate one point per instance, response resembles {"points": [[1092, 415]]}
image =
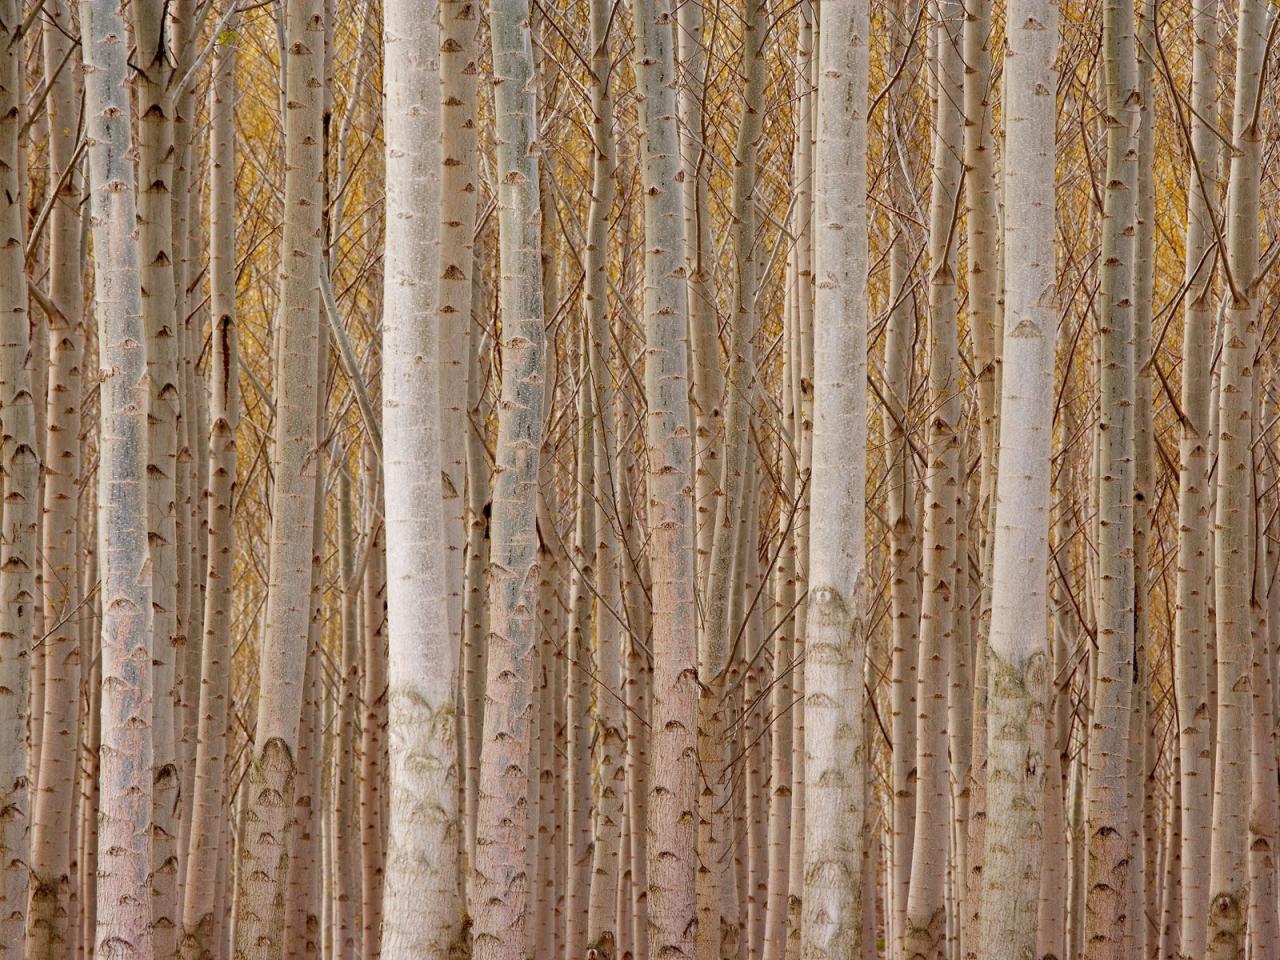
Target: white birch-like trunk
{"points": [[20, 469], [156, 260], [203, 929], [672, 806], [716, 935], [836, 828], [271, 781], [1018, 662], [1191, 622], [1108, 900], [459, 47], [501, 881], [124, 883], [604, 929], [422, 914], [1233, 520], [56, 668], [925, 930]]}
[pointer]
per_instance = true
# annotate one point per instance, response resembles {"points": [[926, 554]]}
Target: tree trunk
{"points": [[1108, 906], [272, 778], [55, 718], [1191, 623], [20, 469], [501, 879], [422, 915], [1019, 663], [672, 806], [126, 826], [926, 920], [203, 929], [836, 829], [1233, 521]]}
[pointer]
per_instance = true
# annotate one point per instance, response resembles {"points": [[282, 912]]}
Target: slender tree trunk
{"points": [[1108, 906], [345, 850], [1263, 920], [705, 375], [1191, 624], [373, 748], [603, 923], [836, 829], [1019, 662], [904, 559], [1142, 832], [924, 936], [203, 929], [501, 880], [716, 933], [125, 816], [459, 48], [672, 806], [984, 276], [422, 914], [272, 778], [55, 712], [20, 472], [159, 302], [580, 840], [475, 605], [1233, 521]]}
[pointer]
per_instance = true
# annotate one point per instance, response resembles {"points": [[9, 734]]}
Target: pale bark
{"points": [[984, 275], [156, 256], [672, 806], [1108, 901], [344, 842], [499, 907], [604, 926], [459, 48], [125, 825], [1142, 833], [475, 605], [272, 778], [373, 745], [19, 469], [1019, 662], [580, 840], [925, 926], [802, 385], [422, 915], [58, 669], [1263, 920], [705, 375], [836, 834], [716, 936], [203, 929], [1233, 520], [1191, 624], [904, 558]]}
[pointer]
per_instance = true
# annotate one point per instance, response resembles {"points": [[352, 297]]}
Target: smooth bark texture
{"points": [[422, 912], [672, 809], [1233, 549], [836, 755], [203, 927], [272, 778], [501, 891], [125, 826], [57, 663], [1109, 907], [1018, 667], [19, 468]]}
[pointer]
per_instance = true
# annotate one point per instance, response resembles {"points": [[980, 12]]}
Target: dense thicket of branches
{"points": [[581, 481]]}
